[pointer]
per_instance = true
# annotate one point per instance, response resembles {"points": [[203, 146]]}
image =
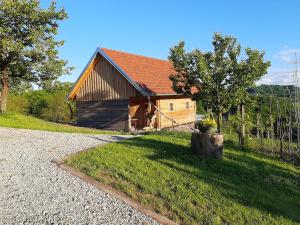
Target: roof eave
{"points": [[72, 94], [165, 94]]}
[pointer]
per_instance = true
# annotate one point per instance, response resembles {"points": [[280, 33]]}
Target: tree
{"points": [[56, 86], [18, 86], [219, 78], [28, 49]]}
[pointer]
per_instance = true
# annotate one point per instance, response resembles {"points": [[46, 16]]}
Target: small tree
{"points": [[219, 78], [28, 49]]}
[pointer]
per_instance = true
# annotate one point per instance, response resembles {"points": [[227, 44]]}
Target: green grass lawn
{"points": [[29, 122], [159, 171]]}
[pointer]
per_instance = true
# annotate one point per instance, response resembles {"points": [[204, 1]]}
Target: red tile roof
{"points": [[150, 73]]}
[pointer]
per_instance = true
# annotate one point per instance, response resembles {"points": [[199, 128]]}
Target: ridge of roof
{"points": [[134, 54]]}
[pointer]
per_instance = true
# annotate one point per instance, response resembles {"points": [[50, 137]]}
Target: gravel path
{"points": [[33, 190]]}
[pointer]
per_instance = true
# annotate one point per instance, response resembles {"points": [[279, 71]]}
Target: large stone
{"points": [[207, 145]]}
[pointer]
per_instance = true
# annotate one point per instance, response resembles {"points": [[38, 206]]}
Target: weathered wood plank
{"points": [[104, 82], [112, 114]]}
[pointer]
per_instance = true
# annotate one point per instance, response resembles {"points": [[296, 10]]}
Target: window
{"points": [[171, 107], [187, 105]]}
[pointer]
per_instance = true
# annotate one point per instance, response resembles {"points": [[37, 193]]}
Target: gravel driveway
{"points": [[33, 190]]}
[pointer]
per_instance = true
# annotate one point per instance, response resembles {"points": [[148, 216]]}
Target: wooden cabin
{"points": [[123, 91]]}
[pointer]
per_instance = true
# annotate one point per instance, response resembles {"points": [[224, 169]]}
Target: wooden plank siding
{"points": [[106, 100], [105, 83], [109, 114], [180, 113]]}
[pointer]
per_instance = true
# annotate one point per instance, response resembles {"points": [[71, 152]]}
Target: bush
{"points": [[48, 105], [57, 109], [18, 104], [37, 102]]}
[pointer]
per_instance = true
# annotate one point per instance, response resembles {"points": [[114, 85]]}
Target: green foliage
{"points": [[262, 112], [59, 86], [33, 123], [28, 48], [287, 91], [57, 109], [234, 122], [18, 86], [37, 102], [200, 108], [18, 103], [221, 77], [49, 104], [159, 171]]}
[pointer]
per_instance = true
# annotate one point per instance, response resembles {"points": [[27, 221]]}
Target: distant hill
{"points": [[274, 90]]}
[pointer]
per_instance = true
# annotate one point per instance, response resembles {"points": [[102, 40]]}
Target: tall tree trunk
{"points": [[243, 128], [4, 91], [219, 122]]}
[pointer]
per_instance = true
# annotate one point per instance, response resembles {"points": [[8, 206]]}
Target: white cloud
{"points": [[280, 76], [287, 54], [283, 76], [285, 46]]}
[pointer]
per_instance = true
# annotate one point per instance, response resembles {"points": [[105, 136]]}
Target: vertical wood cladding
{"points": [[110, 114], [105, 83]]}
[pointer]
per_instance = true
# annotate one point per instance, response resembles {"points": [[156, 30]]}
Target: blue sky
{"points": [[151, 27]]}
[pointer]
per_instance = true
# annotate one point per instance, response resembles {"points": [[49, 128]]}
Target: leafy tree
{"points": [[28, 49], [221, 77], [18, 86], [59, 86]]}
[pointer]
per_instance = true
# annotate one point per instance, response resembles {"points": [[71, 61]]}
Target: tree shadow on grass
{"points": [[248, 178]]}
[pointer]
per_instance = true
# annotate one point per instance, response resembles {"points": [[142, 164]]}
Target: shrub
{"points": [[37, 102], [18, 104], [48, 105], [57, 109]]}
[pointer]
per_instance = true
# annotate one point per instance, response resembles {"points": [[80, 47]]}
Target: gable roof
{"points": [[148, 75]]}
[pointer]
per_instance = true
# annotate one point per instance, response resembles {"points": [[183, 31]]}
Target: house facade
{"points": [[123, 91]]}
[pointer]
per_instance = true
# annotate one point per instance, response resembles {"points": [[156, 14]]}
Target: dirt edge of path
{"points": [[113, 192]]}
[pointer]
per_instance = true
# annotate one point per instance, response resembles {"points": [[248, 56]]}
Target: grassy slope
{"points": [[159, 171], [29, 122]]}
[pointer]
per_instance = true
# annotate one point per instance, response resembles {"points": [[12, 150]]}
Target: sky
{"points": [[150, 28]]}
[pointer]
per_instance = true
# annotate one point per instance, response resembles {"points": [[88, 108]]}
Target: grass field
{"points": [[29, 122], [159, 171]]}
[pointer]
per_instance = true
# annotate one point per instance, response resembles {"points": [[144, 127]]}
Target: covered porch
{"points": [[143, 114]]}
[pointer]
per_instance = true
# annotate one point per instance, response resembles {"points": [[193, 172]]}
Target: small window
{"points": [[187, 105], [171, 107]]}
